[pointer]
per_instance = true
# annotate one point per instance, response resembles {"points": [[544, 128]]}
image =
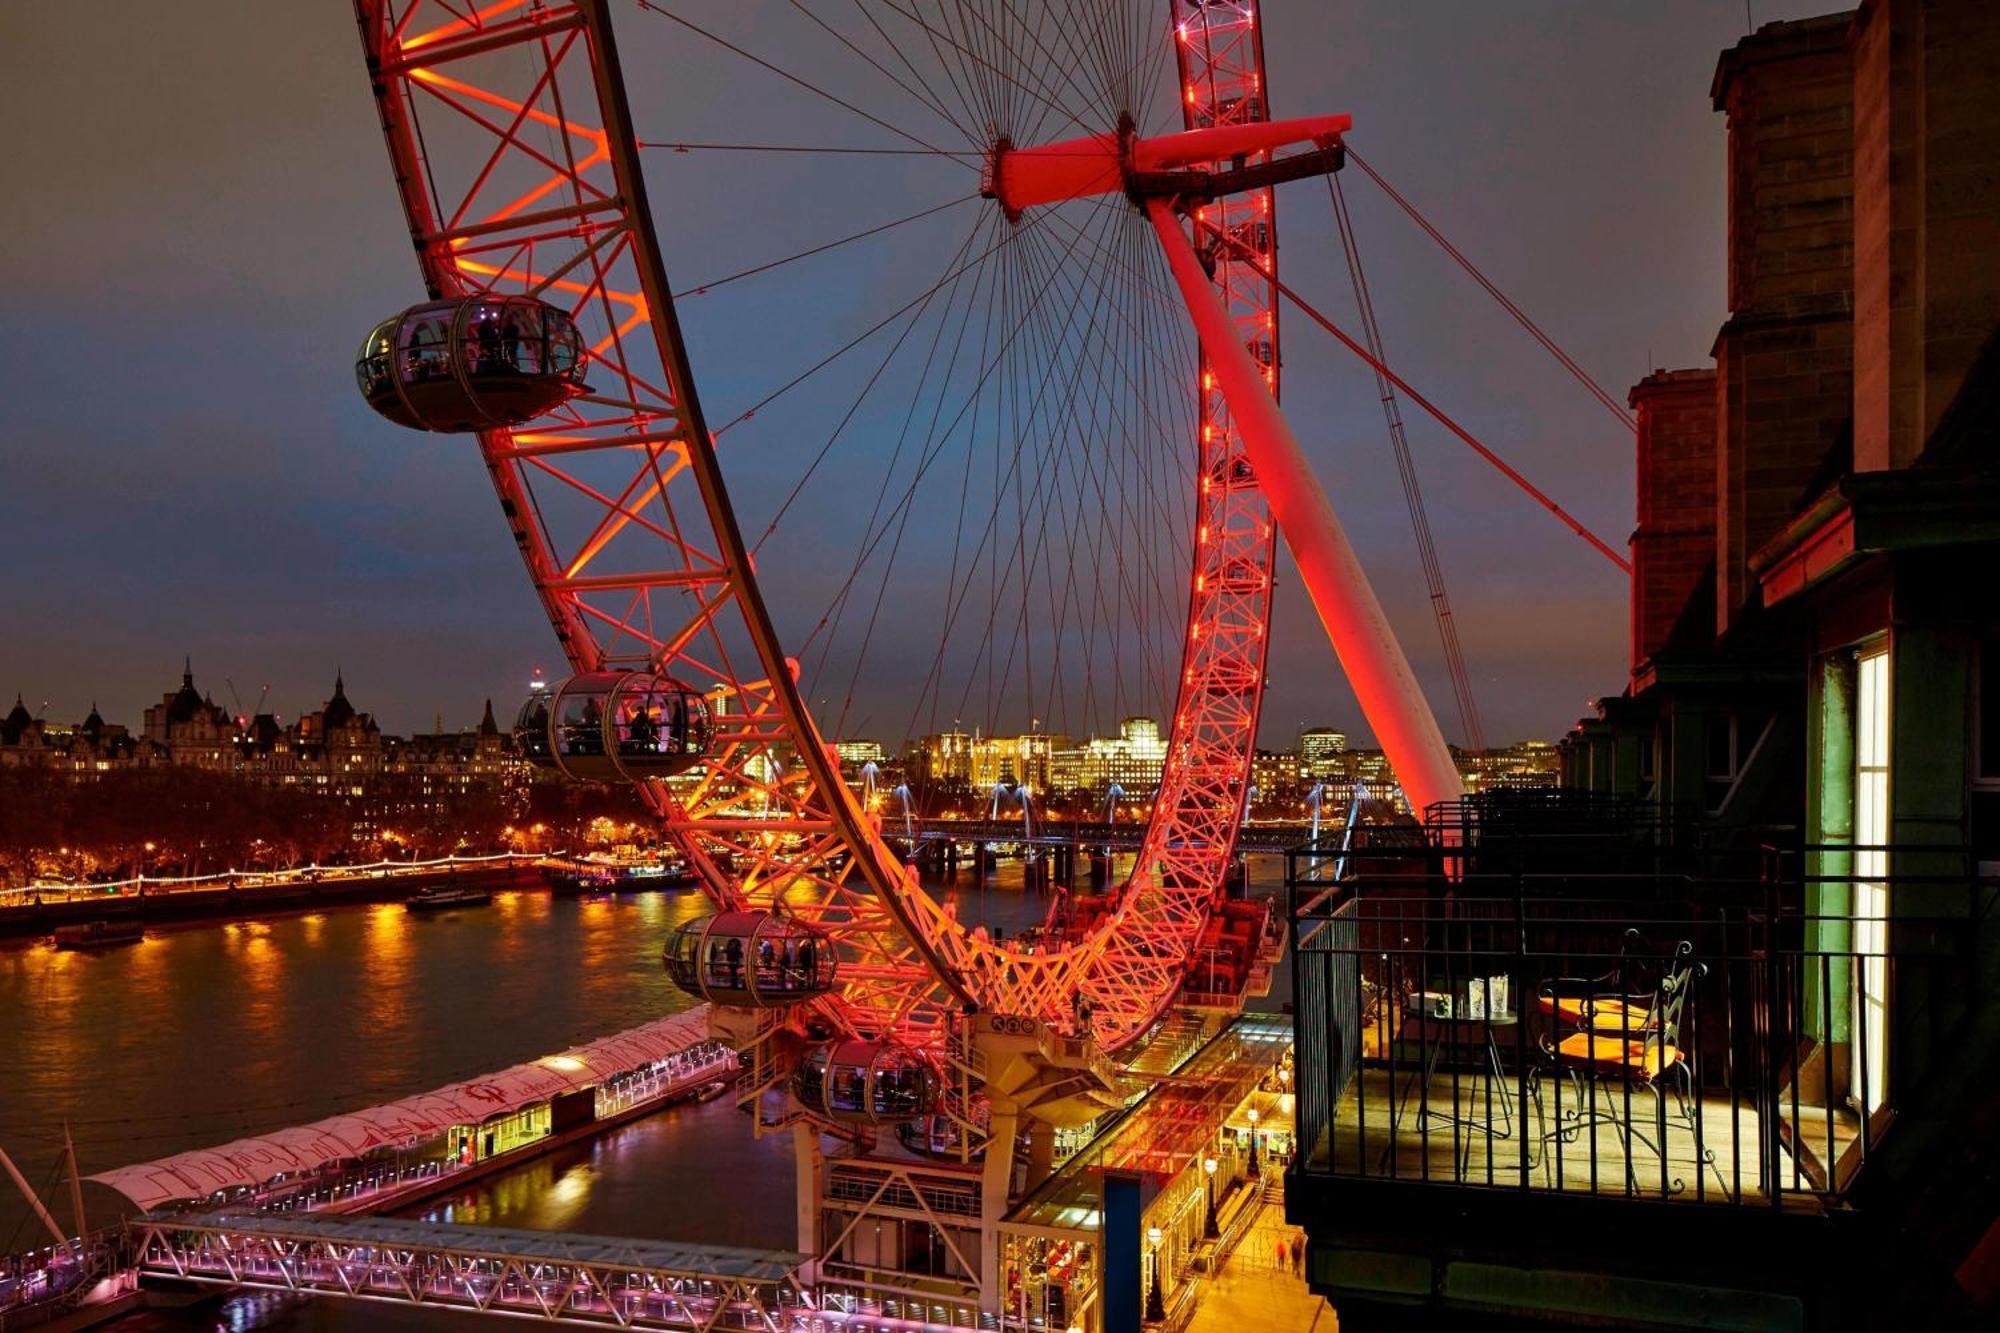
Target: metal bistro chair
{"points": [[1602, 1003], [1630, 1042]]}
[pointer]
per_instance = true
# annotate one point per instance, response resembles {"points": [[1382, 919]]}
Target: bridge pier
{"points": [[1040, 864]]}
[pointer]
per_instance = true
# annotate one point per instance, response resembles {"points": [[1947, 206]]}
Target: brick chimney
{"points": [[1673, 546], [1785, 357], [1927, 215]]}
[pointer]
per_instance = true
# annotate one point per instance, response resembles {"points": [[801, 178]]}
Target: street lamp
{"points": [[1209, 1228], [1253, 1141], [1156, 1304]]}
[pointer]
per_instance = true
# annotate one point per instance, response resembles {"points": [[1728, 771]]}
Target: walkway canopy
{"points": [[247, 1163]]}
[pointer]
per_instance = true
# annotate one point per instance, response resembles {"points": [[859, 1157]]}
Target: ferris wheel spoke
{"points": [[922, 97], [704, 288], [971, 61], [918, 394], [905, 501], [840, 427], [873, 540], [1061, 424], [1128, 433], [959, 265], [931, 94], [655, 7]]}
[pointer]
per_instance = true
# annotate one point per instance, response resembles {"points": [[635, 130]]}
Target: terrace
{"points": [[1556, 1005]]}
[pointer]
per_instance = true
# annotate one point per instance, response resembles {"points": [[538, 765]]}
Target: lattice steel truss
{"points": [[514, 154], [559, 1278]]}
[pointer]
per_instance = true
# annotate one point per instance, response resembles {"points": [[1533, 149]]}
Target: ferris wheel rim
{"points": [[894, 888]]}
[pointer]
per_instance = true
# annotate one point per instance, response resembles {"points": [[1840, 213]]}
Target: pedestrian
{"points": [[1299, 1257], [1284, 1253]]}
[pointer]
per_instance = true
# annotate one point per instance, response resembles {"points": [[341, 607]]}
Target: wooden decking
{"points": [[1472, 1129]]}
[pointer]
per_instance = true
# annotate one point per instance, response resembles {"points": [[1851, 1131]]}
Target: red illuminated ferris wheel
{"points": [[1074, 389]]}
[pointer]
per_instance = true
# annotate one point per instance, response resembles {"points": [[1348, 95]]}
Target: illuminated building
{"points": [[1276, 776], [968, 759], [1134, 759], [1526, 764], [856, 753], [191, 728], [1320, 749]]}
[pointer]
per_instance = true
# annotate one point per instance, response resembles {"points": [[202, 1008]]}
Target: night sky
{"points": [[199, 224]]}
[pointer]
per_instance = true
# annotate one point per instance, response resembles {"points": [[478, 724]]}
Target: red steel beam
{"points": [[1386, 688]]}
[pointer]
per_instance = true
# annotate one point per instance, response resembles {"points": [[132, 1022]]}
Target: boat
{"points": [[99, 934], [666, 875], [580, 882], [445, 897], [627, 872]]}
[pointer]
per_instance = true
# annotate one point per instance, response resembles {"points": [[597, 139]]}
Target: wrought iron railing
{"points": [[1741, 1028]]}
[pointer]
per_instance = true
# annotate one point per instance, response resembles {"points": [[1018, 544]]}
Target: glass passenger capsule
{"points": [[616, 726], [866, 1083], [476, 363], [761, 960]]}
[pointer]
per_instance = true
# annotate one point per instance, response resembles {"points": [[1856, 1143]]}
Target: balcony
{"points": [[1585, 1043]]}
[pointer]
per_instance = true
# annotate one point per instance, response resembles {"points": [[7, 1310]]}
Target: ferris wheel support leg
{"points": [[996, 1175], [810, 1165], [1386, 688]]}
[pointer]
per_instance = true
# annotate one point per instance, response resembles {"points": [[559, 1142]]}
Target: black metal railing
{"points": [[1737, 1028]]}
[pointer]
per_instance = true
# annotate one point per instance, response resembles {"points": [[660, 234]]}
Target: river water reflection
{"points": [[206, 1033]]}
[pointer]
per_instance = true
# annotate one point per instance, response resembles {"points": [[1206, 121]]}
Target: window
{"points": [[1872, 705], [1733, 739]]}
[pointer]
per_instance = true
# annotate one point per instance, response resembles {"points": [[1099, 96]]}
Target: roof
{"points": [[186, 701], [1165, 1129], [1971, 421], [338, 712], [16, 723], [678, 1258], [244, 1163]]}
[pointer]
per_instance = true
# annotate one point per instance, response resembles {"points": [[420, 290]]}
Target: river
{"points": [[201, 1034]]}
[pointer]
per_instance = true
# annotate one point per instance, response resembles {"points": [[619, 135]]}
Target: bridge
{"points": [[562, 1278], [1122, 837]]}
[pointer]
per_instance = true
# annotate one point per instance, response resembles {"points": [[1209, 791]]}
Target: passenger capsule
{"points": [[616, 726], [478, 363], [866, 1083], [761, 960]]}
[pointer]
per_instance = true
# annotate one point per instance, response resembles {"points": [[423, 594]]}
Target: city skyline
{"points": [[61, 712]]}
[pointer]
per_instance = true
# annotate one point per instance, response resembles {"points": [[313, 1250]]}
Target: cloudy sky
{"points": [[199, 225]]}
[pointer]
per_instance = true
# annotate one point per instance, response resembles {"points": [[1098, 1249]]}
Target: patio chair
{"points": [[1628, 1045], [1618, 1001]]}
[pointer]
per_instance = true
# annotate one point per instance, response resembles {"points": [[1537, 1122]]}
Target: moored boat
{"points": [[98, 934], [444, 897]]}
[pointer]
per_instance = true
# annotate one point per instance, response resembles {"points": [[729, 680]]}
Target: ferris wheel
{"points": [[1074, 379]]}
